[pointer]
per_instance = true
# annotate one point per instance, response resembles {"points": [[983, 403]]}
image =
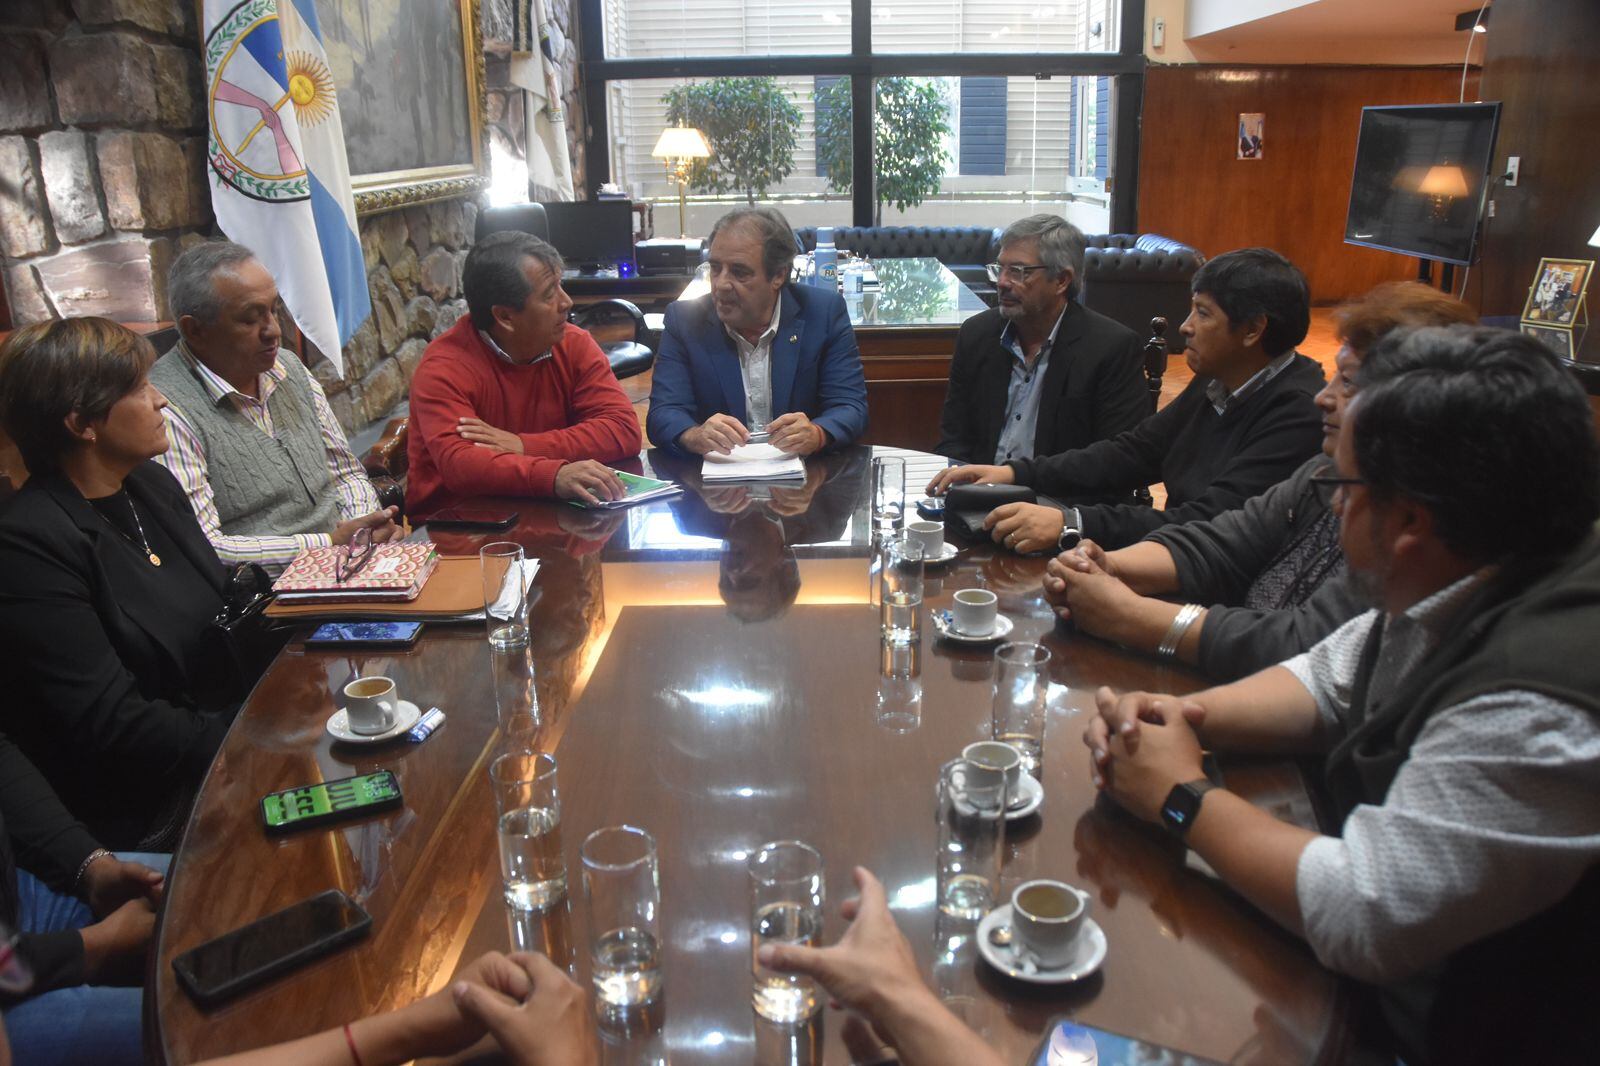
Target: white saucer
{"points": [[339, 725], [943, 623], [1086, 959], [947, 551], [1033, 791]]}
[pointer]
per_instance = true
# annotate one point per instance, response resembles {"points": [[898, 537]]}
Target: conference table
{"points": [[709, 668]]}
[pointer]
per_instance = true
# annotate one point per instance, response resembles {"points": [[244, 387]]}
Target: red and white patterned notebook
{"points": [[395, 573]]}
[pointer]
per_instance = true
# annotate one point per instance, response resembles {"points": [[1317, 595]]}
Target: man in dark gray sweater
{"points": [[1271, 569]]}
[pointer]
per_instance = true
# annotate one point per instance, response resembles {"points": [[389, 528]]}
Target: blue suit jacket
{"points": [[816, 368]]}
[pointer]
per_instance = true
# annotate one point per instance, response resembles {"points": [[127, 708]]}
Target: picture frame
{"points": [[1556, 297], [1252, 128], [411, 84]]}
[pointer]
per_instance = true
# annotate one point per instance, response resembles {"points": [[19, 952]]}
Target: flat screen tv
{"points": [[592, 233], [1421, 175]]}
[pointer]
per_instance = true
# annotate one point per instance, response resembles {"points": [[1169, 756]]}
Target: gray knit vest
{"points": [[263, 486]]}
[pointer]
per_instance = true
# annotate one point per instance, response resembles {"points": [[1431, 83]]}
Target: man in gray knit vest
{"points": [[254, 443]]}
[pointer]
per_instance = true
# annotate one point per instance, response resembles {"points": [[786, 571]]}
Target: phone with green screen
{"points": [[330, 801]]}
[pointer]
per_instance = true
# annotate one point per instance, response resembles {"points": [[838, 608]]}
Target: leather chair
{"points": [[618, 326], [1129, 277], [386, 463], [524, 218], [964, 249]]}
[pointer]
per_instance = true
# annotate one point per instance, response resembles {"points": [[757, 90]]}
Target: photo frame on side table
{"points": [[1556, 313]]}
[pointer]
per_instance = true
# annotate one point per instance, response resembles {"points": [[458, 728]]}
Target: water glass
{"points": [[785, 908], [505, 607], [528, 804], [971, 811], [888, 493], [1021, 684], [622, 886], [899, 687], [901, 608]]}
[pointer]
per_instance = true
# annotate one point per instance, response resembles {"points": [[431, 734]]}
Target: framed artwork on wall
{"points": [[1252, 126], [410, 78]]}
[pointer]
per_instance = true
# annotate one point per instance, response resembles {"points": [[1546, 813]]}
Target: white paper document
{"points": [[752, 462]]}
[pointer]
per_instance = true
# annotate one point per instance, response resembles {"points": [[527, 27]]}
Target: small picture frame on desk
{"points": [[1556, 296]]}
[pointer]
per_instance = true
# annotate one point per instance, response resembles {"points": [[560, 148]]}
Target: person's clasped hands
{"points": [[792, 433], [124, 897], [1140, 745]]}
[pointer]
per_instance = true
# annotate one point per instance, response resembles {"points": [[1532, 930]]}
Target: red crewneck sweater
{"points": [[565, 408]]}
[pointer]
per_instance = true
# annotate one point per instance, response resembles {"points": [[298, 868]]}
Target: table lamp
{"points": [[1595, 240], [679, 146]]}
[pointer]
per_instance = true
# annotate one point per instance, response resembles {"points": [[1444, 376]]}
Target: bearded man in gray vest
{"points": [[1458, 722], [255, 445]]}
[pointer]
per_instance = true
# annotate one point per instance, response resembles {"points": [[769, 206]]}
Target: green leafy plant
{"points": [[750, 124], [910, 121]]}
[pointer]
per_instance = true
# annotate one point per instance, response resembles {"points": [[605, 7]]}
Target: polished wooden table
{"points": [[708, 668]]}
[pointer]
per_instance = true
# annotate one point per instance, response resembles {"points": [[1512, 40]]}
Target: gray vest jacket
{"points": [[264, 486]]}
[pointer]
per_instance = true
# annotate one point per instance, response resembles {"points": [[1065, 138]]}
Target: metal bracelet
{"points": [[83, 868], [1187, 614]]}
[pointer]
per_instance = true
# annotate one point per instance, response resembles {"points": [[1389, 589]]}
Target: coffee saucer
{"points": [[947, 551], [406, 712], [1088, 953], [945, 624], [1032, 795]]}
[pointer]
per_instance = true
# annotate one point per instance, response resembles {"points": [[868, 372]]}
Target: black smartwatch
{"points": [[1071, 530], [1182, 806]]}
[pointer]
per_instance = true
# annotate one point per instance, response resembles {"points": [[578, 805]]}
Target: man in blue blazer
{"points": [[757, 354]]}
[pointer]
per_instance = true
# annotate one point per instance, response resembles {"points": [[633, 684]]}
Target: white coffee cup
{"points": [[931, 536], [1047, 917], [995, 759], [370, 703], [974, 612]]}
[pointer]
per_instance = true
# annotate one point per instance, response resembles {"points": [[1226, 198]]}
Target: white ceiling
{"points": [[1331, 31]]}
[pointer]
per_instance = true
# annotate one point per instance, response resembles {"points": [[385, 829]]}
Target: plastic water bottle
{"points": [[827, 260]]}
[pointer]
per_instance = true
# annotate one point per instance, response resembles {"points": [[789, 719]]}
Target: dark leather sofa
{"points": [[1127, 277]]}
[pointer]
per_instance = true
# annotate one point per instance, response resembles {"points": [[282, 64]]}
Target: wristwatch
{"points": [[1071, 530], [1182, 806]]}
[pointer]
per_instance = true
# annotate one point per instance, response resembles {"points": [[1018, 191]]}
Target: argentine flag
{"points": [[280, 181]]}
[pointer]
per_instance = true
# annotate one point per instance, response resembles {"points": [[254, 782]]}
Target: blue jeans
{"points": [[87, 1024]]}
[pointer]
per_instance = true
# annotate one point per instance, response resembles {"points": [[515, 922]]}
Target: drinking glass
{"points": [[532, 869], [1021, 683], [504, 603], [888, 493], [901, 609], [971, 811], [785, 908], [622, 885]]}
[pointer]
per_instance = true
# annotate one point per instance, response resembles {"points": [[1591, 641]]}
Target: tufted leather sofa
{"points": [[1128, 277]]}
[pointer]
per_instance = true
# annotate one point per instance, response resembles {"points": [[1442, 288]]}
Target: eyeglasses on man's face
{"points": [[1327, 486], [1016, 273]]}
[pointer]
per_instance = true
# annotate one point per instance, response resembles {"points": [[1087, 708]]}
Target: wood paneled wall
{"points": [[1192, 188], [1543, 66]]}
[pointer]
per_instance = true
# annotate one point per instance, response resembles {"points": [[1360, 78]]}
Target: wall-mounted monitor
{"points": [[1421, 176]]}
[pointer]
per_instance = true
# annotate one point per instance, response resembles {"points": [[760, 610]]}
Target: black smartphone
{"points": [[365, 635], [330, 801], [474, 518], [1066, 1041], [251, 955]]}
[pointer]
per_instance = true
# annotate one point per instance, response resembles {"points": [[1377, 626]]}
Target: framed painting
{"points": [[1556, 297], [410, 78]]}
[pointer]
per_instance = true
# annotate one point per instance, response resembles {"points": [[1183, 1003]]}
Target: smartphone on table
{"points": [[254, 954], [340, 635], [330, 801], [474, 518], [1070, 1043]]}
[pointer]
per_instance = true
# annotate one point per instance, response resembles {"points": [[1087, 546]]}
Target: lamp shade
{"points": [[681, 142], [1443, 181], [1595, 240]]}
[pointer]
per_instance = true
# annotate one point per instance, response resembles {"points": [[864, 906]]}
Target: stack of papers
{"points": [[752, 462], [639, 489]]}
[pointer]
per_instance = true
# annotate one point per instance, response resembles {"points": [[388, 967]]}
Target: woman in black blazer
{"points": [[107, 587]]}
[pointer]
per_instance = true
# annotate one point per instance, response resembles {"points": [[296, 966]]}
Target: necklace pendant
{"points": [[155, 560]]}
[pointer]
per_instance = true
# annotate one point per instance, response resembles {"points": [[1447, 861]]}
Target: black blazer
{"points": [[1094, 387], [97, 692]]}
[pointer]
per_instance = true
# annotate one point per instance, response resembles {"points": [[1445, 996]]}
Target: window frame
{"points": [[1126, 67]]}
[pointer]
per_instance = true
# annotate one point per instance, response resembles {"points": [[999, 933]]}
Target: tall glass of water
{"points": [[888, 494], [505, 608], [532, 868], [901, 607], [785, 908], [1021, 685], [971, 811], [622, 885]]}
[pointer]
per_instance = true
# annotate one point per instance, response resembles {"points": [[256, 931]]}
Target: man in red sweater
{"points": [[513, 400]]}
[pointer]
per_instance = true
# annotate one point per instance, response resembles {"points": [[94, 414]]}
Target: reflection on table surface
{"points": [[911, 293], [709, 668]]}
